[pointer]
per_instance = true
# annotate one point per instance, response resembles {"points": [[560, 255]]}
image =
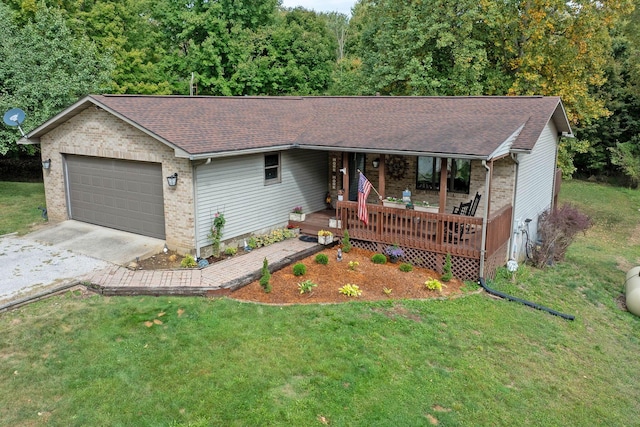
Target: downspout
{"points": [[195, 207], [483, 244], [512, 243]]}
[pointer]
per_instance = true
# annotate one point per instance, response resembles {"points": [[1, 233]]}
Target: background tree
{"points": [[43, 69]]}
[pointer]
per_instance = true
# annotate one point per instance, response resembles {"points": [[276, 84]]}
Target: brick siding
{"points": [[97, 133]]}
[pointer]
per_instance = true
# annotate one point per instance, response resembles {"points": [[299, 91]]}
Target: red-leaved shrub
{"points": [[557, 229]]}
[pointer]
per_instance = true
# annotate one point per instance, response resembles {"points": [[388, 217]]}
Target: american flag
{"points": [[364, 188]]}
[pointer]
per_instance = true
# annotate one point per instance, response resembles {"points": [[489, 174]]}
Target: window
{"points": [[428, 174], [271, 168]]}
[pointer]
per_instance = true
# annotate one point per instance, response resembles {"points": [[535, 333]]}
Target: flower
{"points": [[422, 203], [394, 251], [394, 200], [297, 210], [324, 233]]}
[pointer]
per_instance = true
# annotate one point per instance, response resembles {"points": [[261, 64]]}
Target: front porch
{"points": [[425, 237]]}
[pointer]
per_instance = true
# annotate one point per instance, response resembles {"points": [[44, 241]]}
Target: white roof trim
{"points": [[504, 148]]}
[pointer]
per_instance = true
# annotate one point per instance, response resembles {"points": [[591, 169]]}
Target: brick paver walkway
{"points": [[227, 274]]}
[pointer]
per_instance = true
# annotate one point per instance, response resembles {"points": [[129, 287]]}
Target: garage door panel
{"points": [[114, 193]]}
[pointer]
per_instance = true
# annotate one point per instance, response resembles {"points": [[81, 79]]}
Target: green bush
{"points": [[265, 276], [231, 251], [322, 259], [446, 269], [299, 269], [346, 242], [406, 267], [188, 261], [379, 259]]}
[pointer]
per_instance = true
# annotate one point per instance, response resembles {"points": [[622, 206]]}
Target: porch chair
{"points": [[474, 205], [456, 231], [462, 209]]}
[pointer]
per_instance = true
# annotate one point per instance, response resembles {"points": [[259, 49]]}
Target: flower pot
{"points": [[432, 209], [325, 240], [335, 223], [388, 204], [298, 217]]}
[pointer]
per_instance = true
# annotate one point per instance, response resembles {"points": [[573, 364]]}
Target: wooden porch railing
{"points": [[440, 233], [498, 229]]}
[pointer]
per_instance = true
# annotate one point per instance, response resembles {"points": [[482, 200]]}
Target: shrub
{"points": [[433, 285], [188, 261], [379, 259], [406, 267], [446, 269], [306, 286], [346, 242], [265, 276], [350, 290], [215, 232], [231, 251], [299, 269], [322, 259], [353, 265], [557, 229]]}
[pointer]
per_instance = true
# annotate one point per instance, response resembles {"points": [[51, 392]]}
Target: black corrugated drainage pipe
{"points": [[521, 301]]}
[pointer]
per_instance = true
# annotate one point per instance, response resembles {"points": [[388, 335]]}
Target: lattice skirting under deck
{"points": [[496, 260], [462, 268]]}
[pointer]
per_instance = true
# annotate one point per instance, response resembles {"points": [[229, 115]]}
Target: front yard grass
{"points": [[19, 202], [82, 359]]}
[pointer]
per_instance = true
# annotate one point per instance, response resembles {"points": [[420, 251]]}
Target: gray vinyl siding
{"points": [[236, 187], [536, 174]]}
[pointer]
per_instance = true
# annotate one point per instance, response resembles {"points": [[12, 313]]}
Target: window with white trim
{"points": [[271, 168]]}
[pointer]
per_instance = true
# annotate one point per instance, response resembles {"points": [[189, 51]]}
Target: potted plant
{"points": [[394, 253], [325, 237], [296, 214], [392, 202], [425, 206]]}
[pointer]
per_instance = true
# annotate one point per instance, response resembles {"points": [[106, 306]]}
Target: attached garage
{"points": [[121, 194]]}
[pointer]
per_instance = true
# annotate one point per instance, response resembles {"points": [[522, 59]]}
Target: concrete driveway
{"points": [[63, 253]]}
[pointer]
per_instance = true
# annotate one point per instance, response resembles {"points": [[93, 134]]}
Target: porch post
{"points": [[443, 185], [381, 173], [345, 177]]}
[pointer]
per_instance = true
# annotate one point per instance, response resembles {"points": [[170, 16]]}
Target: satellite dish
{"points": [[14, 118]]}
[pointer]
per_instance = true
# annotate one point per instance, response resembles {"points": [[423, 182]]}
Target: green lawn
{"points": [[19, 202], [83, 360]]}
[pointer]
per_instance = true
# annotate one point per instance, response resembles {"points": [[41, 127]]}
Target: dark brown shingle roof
{"points": [[470, 126]]}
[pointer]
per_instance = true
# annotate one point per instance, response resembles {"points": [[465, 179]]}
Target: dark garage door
{"points": [[119, 194]]}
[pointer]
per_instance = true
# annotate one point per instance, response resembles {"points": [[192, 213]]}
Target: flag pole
{"points": [[374, 188]]}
